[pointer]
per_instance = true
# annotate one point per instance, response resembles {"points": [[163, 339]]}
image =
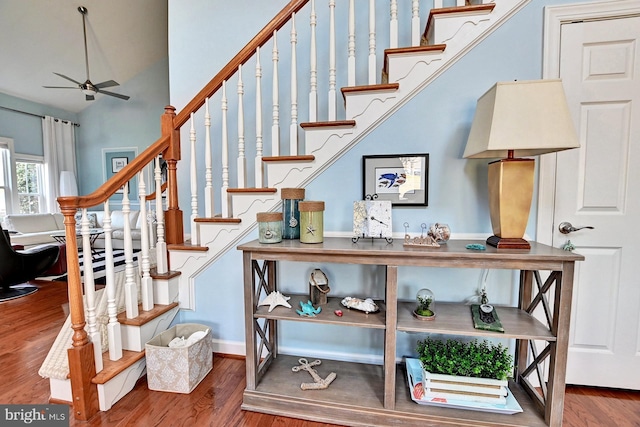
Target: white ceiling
{"points": [[38, 37]]}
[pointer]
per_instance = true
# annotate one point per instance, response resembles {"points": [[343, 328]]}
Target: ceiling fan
{"points": [[88, 88]]}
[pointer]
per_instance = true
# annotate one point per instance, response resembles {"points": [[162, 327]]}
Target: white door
{"points": [[598, 185]]}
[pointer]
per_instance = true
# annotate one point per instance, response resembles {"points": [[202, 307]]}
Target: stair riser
{"points": [[120, 385], [447, 27], [166, 292], [134, 338], [60, 390], [356, 104]]}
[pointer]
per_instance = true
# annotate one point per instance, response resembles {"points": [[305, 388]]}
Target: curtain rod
{"points": [[36, 115]]}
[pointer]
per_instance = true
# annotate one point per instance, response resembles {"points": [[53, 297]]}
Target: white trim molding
{"points": [[554, 18]]}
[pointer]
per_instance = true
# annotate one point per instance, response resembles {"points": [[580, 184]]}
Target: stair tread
{"points": [[163, 276], [473, 8], [145, 316], [336, 123], [369, 88], [186, 246], [111, 368], [219, 220], [435, 48], [252, 190], [303, 158]]}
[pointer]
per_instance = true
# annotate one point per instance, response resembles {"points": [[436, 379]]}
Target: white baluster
{"points": [[130, 287], [242, 173], [313, 79], [225, 206], [461, 3], [150, 224], [372, 42], [259, 167], [293, 127], [146, 284], [351, 45], [90, 291], [415, 23], [162, 262], [332, 61], [393, 24], [194, 184], [437, 4], [114, 330], [275, 126], [209, 205]]}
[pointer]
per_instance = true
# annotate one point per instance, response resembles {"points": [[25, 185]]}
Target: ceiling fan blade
{"points": [[117, 95], [68, 78], [60, 87], [108, 83], [89, 97]]}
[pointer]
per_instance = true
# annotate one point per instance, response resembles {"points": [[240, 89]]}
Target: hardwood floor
{"points": [[29, 325]]}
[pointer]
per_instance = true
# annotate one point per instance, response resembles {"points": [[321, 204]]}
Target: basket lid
{"points": [[269, 216], [310, 206], [292, 193]]}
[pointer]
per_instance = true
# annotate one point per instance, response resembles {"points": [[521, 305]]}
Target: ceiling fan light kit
{"points": [[88, 88]]}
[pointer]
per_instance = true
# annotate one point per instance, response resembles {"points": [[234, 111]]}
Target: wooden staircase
{"points": [[450, 33]]}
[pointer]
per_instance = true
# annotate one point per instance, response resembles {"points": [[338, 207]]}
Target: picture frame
{"points": [[118, 163], [401, 178], [113, 161]]}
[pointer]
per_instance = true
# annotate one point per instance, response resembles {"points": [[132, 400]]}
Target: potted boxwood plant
{"points": [[476, 370]]}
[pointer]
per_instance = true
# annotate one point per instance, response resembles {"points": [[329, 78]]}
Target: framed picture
{"points": [[402, 178], [118, 163], [114, 160]]}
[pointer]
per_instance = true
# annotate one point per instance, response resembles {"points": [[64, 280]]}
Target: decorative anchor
{"points": [[319, 383]]}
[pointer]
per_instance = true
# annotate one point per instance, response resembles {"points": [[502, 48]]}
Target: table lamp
{"points": [[512, 120]]}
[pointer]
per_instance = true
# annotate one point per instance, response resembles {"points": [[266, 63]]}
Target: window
{"points": [[30, 185], [7, 177]]}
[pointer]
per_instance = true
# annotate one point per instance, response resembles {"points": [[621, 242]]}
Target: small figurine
{"points": [[308, 310], [319, 383], [275, 298]]}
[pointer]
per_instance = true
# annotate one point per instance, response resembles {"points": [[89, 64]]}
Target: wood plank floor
{"points": [[29, 325]]}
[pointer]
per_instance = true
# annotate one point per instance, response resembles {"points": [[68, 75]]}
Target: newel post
{"points": [[82, 367], [174, 229]]}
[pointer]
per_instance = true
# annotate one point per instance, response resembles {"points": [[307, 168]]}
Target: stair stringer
{"points": [[413, 72]]}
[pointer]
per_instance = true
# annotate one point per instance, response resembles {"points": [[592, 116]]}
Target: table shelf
{"points": [[365, 394]]}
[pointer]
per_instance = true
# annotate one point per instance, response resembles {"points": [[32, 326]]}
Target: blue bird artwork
{"points": [[389, 179]]}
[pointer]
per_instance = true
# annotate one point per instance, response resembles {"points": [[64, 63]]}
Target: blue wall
{"points": [[436, 121], [26, 130], [112, 123]]}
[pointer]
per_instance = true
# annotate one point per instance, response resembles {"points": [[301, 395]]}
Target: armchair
{"points": [[19, 267]]}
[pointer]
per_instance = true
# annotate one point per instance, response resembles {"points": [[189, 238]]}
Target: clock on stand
{"points": [[372, 219]]}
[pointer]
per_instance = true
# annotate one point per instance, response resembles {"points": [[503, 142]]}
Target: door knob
{"points": [[566, 227]]}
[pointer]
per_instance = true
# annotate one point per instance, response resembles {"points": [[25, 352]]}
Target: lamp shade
{"points": [[528, 117], [68, 185]]}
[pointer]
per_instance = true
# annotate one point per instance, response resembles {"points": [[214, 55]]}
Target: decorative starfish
{"points": [[311, 229], [274, 299]]}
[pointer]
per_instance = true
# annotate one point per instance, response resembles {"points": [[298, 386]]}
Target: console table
{"points": [[366, 394]]}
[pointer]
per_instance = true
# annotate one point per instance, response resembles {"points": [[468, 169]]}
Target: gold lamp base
{"points": [[510, 193]]}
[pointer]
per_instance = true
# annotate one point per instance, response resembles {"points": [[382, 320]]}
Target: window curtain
{"points": [[59, 155]]}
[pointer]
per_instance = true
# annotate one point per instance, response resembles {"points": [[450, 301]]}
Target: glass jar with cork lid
{"points": [[311, 221]]}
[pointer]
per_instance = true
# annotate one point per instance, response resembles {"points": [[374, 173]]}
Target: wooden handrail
{"points": [[243, 56], [107, 189], [152, 196]]}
